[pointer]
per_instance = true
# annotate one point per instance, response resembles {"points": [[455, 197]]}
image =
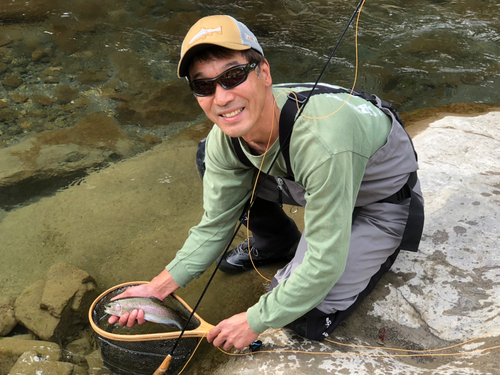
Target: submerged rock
{"points": [[31, 363], [7, 317], [94, 140], [11, 349], [56, 309]]}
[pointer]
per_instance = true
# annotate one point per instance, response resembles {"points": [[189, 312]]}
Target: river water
{"points": [[62, 61]]}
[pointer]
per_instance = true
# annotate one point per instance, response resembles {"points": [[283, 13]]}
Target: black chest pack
{"points": [[415, 223]]}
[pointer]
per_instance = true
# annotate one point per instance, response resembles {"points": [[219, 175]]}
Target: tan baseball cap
{"points": [[222, 31]]}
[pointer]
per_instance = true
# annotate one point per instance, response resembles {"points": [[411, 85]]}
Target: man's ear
{"points": [[265, 73]]}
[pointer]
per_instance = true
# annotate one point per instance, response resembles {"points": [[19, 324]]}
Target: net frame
{"points": [[145, 350]]}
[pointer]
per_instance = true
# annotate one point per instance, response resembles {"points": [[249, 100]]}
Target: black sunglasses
{"points": [[230, 78]]}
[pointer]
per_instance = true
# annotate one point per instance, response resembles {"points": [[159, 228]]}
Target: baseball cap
{"points": [[221, 30]]}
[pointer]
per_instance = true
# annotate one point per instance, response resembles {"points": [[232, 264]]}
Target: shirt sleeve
{"points": [[331, 193], [227, 186]]}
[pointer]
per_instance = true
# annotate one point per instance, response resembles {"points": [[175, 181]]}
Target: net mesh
{"points": [[127, 357]]}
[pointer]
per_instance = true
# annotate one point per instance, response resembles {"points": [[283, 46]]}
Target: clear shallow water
{"points": [[121, 57]]}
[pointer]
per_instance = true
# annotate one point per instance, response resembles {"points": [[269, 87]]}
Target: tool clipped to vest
{"points": [[415, 223]]}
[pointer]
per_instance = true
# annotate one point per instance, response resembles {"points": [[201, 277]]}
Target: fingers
{"points": [[214, 332], [140, 317], [130, 292], [129, 320]]}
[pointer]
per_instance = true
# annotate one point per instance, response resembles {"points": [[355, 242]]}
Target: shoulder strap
{"points": [[289, 112], [239, 152]]}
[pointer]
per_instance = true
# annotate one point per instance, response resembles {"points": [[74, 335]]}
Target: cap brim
{"points": [[183, 67]]}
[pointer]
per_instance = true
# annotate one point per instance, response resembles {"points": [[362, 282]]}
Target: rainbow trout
{"points": [[154, 311]]}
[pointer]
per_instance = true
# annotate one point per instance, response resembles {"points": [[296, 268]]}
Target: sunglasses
{"points": [[229, 79]]}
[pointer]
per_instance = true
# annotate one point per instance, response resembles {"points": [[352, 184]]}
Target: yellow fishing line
{"points": [[355, 71], [416, 353], [310, 118]]}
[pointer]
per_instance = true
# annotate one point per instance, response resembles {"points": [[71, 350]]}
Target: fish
{"points": [[154, 310]]}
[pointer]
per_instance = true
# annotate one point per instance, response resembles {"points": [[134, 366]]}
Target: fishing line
{"points": [[300, 113], [301, 108], [416, 353]]}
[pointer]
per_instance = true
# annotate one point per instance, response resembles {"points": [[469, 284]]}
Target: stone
{"points": [[38, 54], [65, 94], [56, 308], [11, 348], [30, 315], [42, 99], [31, 363], [7, 317], [7, 115], [79, 370], [68, 286], [19, 98], [156, 110], [5, 41], [26, 10], [95, 364], [94, 140], [78, 349], [12, 81], [92, 76]]}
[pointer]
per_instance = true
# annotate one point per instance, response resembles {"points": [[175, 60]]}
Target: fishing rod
{"points": [[166, 363], [284, 142]]}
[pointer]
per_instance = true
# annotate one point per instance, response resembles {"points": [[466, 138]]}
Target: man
{"points": [[347, 160]]}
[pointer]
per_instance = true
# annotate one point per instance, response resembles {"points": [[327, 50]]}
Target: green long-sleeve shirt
{"points": [[328, 155]]}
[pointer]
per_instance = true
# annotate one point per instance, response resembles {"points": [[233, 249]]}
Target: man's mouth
{"points": [[232, 114]]}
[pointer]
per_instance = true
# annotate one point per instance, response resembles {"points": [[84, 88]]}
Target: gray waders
{"points": [[388, 217]]}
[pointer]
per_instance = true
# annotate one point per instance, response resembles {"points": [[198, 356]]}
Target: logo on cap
{"points": [[203, 33]]}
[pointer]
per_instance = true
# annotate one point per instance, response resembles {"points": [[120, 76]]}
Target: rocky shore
{"points": [[51, 317]]}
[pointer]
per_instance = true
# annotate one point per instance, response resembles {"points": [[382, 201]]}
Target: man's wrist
{"points": [[163, 284]]}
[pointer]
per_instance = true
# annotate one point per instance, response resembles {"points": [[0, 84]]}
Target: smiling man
{"points": [[347, 159]]}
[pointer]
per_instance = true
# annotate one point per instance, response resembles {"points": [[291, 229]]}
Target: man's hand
{"points": [[234, 331], [160, 287]]}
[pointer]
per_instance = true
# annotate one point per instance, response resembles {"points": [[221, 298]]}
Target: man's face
{"points": [[235, 111]]}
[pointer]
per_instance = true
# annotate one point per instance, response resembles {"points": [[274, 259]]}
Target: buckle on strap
{"points": [[297, 97]]}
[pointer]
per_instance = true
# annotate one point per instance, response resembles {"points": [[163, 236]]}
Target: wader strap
{"points": [[239, 152], [414, 224], [287, 118]]}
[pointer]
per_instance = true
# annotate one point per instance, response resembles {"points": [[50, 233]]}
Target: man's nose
{"points": [[222, 96]]}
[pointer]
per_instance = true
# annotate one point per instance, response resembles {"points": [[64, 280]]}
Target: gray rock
{"points": [[445, 294], [7, 317]]}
